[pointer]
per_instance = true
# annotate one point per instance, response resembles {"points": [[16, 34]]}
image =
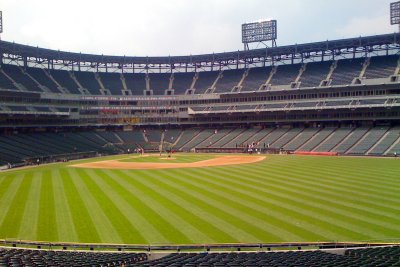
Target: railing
{"points": [[196, 247]]}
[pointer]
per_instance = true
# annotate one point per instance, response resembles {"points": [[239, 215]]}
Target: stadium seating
{"points": [[40, 76], [64, 79], [182, 82], [112, 82], [316, 139], [242, 137], [285, 138], [171, 136], [88, 81], [214, 138], [37, 79], [228, 138], [255, 78], [333, 140], [229, 79], [368, 141], [285, 74], [378, 140], [198, 139], [388, 256], [26, 257], [136, 83], [205, 81], [395, 148], [259, 137], [390, 253], [5, 82], [374, 256], [314, 73], [387, 140], [186, 137], [346, 70], [350, 140], [300, 139], [381, 67], [159, 82], [24, 82]]}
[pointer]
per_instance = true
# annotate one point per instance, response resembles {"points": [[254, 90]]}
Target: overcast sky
{"points": [[183, 27]]}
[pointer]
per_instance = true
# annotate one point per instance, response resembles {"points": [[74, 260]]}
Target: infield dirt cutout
{"points": [[217, 161]]}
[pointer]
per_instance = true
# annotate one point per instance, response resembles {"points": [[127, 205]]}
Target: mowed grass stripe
{"points": [[367, 171], [312, 187], [341, 192], [29, 221], [337, 182], [129, 204], [47, 229], [282, 209], [245, 226], [265, 209], [187, 228], [166, 224], [199, 223], [291, 201], [12, 221], [101, 222], [314, 202], [334, 206], [83, 223], [352, 180], [65, 224], [118, 219], [333, 198], [8, 190], [339, 199]]}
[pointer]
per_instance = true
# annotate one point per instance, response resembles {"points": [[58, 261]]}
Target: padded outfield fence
{"points": [[53, 158]]}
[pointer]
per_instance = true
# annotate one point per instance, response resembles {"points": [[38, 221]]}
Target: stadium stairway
{"points": [[228, 137], [368, 140], [395, 148], [350, 140], [314, 141], [186, 137], [286, 137], [259, 137], [301, 138]]}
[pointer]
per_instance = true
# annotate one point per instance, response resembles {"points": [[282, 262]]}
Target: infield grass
{"points": [[280, 199]]}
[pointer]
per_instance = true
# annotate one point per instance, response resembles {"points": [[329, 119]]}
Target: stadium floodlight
{"points": [[1, 22], [261, 31], [395, 13]]}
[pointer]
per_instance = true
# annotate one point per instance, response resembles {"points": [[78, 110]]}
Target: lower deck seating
{"points": [[373, 256], [351, 140], [360, 257], [27, 257], [379, 140]]}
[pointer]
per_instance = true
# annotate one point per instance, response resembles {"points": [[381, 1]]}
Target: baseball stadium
{"points": [[272, 156]]}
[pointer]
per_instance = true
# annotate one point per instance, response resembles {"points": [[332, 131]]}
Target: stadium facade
{"points": [[340, 96]]}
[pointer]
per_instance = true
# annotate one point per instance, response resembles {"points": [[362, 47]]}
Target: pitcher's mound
{"points": [[218, 161]]}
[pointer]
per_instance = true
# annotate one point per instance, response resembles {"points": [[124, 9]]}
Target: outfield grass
{"points": [[281, 199]]}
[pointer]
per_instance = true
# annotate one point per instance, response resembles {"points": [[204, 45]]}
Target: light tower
{"points": [[395, 13], [261, 32], [1, 23]]}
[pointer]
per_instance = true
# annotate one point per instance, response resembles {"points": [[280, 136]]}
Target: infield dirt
{"points": [[218, 161]]}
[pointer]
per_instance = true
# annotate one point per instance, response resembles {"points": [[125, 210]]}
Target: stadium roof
{"points": [[370, 43]]}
